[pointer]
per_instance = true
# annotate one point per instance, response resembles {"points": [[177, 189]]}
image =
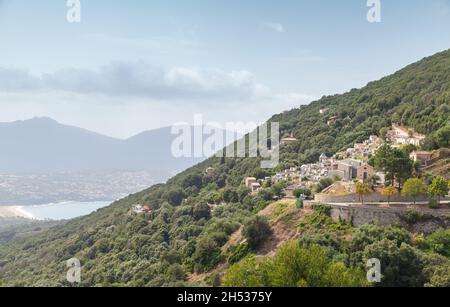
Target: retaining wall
{"points": [[360, 215]]}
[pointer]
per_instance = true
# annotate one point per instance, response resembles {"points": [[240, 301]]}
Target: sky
{"points": [[136, 65]]}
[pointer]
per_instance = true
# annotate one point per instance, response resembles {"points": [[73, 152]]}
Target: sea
{"points": [[62, 211]]}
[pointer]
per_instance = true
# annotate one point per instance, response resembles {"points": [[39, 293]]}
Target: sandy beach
{"points": [[15, 212]]}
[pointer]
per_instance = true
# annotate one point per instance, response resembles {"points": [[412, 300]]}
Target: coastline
{"points": [[12, 212], [65, 210]]}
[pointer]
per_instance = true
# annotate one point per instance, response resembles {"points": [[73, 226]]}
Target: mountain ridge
{"points": [[42, 144]]}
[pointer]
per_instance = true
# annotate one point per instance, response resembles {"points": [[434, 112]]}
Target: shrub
{"points": [[433, 204], [316, 220], [219, 237], [257, 231], [207, 255], [322, 209], [369, 234], [323, 184], [175, 272], [201, 211], [439, 242], [299, 204], [277, 189], [305, 192], [261, 206], [412, 216], [241, 251]]}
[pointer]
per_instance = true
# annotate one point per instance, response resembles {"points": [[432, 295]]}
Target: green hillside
{"points": [[182, 235]]}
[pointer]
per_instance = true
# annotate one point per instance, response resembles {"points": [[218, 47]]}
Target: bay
{"points": [[64, 210]]}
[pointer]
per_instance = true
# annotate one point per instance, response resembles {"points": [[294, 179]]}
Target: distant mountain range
{"points": [[43, 145]]}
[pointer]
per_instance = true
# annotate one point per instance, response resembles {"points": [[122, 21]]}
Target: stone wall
{"points": [[360, 215], [375, 197]]}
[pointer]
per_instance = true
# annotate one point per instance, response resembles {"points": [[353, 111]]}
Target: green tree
{"points": [[414, 188], [408, 149], [192, 180], [439, 242], [323, 184], [242, 192], [395, 163], [370, 233], [389, 192], [257, 230], [443, 137], [304, 191], [363, 190], [403, 167], [266, 194], [429, 143], [372, 181], [230, 195], [440, 277], [294, 265], [383, 159], [278, 189], [175, 196], [175, 272], [338, 275], [401, 265], [250, 272], [439, 188], [201, 211], [437, 270], [207, 255]]}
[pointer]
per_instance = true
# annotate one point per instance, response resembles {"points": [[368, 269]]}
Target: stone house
{"points": [[364, 172], [288, 140], [349, 169], [252, 184]]}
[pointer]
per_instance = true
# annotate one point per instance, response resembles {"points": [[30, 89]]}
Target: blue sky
{"points": [[136, 65]]}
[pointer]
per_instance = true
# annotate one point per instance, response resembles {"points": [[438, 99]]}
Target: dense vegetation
{"points": [[336, 254], [15, 229], [183, 235], [294, 266]]}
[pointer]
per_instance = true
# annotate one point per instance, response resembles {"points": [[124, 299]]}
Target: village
{"points": [[346, 169], [341, 173]]}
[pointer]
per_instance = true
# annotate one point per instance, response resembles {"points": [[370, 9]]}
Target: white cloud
{"points": [[121, 99], [12, 80], [274, 26], [139, 80]]}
